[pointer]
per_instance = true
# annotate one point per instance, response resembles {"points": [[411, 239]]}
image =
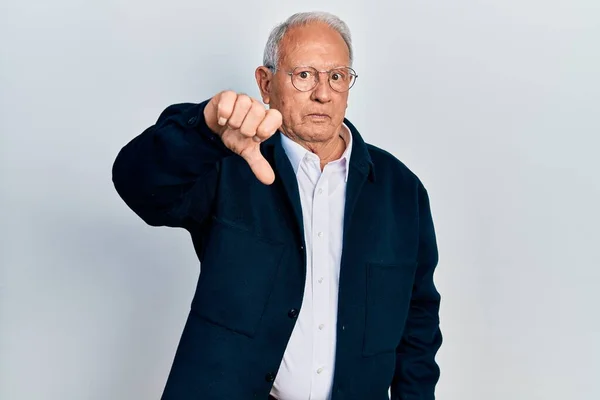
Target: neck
{"points": [[333, 151]]}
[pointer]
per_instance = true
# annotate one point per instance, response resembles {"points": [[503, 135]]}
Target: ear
{"points": [[264, 78]]}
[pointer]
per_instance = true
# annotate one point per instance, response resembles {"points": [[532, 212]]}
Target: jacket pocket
{"points": [[237, 275], [389, 289]]}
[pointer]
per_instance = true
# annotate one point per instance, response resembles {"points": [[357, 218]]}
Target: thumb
{"points": [[258, 164]]}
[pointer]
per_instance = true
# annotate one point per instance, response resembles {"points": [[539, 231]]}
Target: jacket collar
{"points": [[359, 157], [296, 152], [361, 168]]}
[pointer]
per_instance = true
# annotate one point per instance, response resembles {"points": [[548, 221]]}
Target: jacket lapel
{"points": [[285, 173], [361, 168]]}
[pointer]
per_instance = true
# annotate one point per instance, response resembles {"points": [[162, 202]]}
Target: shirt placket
{"points": [[321, 280]]}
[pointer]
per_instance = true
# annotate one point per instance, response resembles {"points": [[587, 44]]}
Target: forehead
{"points": [[314, 44]]}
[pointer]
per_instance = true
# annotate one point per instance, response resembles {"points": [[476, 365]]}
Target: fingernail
{"points": [[256, 139], [222, 121]]}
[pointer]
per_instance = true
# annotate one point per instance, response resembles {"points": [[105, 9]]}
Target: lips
{"points": [[318, 115]]}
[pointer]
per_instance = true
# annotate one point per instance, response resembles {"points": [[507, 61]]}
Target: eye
{"points": [[339, 75], [304, 74]]}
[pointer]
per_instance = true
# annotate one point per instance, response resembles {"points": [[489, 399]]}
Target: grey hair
{"points": [[271, 55]]}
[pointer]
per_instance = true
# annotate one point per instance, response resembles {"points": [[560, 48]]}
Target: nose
{"points": [[322, 92]]}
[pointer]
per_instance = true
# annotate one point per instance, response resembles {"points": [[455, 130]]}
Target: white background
{"points": [[494, 104]]}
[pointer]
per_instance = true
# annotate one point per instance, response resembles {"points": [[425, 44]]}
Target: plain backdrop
{"points": [[493, 104]]}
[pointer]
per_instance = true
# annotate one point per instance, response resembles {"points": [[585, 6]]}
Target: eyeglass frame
{"points": [[291, 74]]}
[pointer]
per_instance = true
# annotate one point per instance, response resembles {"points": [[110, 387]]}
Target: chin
{"points": [[316, 132]]}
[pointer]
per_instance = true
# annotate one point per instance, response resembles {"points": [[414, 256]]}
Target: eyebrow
{"points": [[327, 68]]}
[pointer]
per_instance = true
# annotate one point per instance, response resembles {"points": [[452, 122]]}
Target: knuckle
{"points": [[223, 111], [244, 101], [227, 94], [224, 108], [273, 120], [274, 115], [247, 131], [246, 134], [234, 124], [264, 131], [258, 110]]}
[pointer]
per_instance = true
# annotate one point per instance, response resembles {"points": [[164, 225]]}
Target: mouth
{"points": [[318, 116]]}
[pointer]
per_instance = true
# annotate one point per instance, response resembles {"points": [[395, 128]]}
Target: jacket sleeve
{"points": [[168, 175], [417, 372]]}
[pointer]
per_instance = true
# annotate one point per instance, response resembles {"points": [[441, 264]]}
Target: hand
{"points": [[243, 123]]}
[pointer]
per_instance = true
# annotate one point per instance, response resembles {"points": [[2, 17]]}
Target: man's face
{"points": [[315, 115]]}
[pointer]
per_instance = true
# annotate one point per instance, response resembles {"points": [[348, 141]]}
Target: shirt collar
{"points": [[296, 152]]}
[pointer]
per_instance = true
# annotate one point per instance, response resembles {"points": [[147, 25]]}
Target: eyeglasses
{"points": [[304, 79]]}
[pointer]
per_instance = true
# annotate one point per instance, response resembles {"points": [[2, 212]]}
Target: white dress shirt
{"points": [[306, 371]]}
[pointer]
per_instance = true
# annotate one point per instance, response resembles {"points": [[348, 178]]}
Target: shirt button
{"points": [[320, 234], [320, 280], [320, 191], [319, 370], [321, 327], [270, 377]]}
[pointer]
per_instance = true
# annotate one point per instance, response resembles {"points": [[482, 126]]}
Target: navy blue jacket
{"points": [[249, 239]]}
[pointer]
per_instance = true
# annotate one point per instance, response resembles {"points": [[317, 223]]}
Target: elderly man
{"points": [[317, 250]]}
